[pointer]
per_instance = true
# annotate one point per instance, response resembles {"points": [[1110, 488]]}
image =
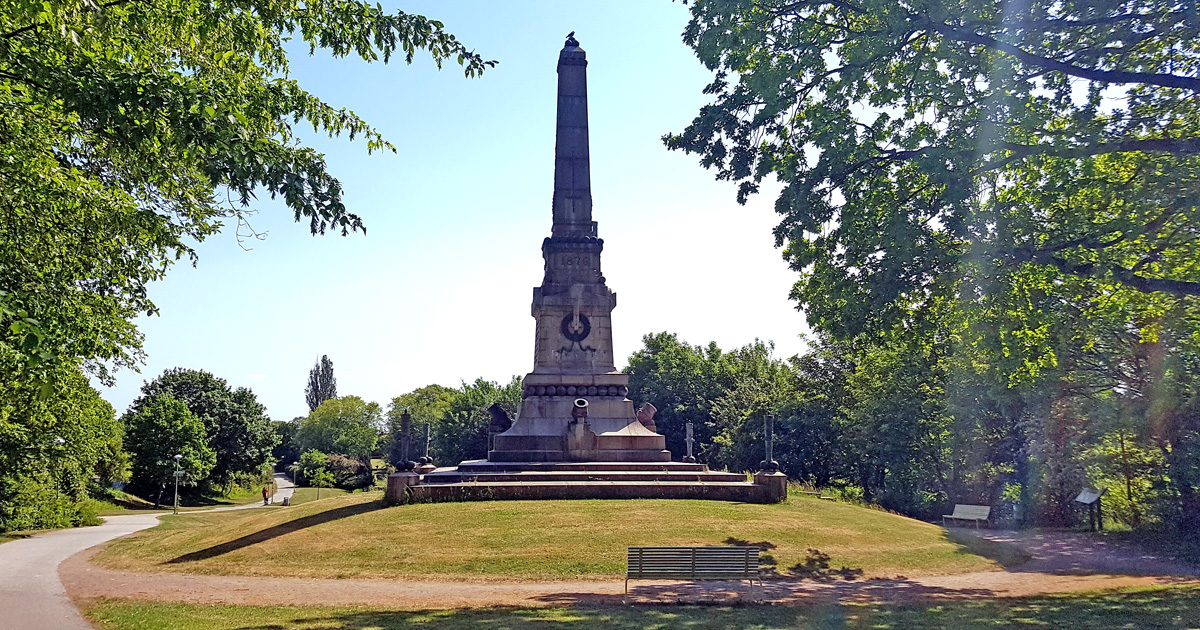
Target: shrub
{"points": [[349, 473], [38, 501]]}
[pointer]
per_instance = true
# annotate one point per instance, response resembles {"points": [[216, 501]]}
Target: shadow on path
{"points": [[276, 531]]}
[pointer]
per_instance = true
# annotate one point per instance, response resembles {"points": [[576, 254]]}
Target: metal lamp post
{"points": [[178, 474]]}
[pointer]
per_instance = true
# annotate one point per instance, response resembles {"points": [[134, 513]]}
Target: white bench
{"points": [[692, 563], [975, 513]]}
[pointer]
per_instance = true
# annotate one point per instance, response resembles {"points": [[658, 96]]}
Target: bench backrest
{"points": [[973, 512], [693, 563]]}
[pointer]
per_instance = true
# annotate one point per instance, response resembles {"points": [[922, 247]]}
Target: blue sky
{"points": [[439, 288]]}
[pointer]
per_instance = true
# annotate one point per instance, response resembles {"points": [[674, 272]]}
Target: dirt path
{"points": [[1062, 563]]}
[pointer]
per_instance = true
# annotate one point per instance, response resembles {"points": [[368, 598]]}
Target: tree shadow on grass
{"points": [[816, 567], [276, 531], [766, 562]]}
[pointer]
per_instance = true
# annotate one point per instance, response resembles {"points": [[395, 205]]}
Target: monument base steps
{"points": [[482, 480]]}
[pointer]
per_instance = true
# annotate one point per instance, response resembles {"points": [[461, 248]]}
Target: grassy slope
{"points": [[304, 495], [1171, 607], [351, 536]]}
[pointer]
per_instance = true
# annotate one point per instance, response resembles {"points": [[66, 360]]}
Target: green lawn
{"points": [[1177, 608], [354, 536], [304, 495]]}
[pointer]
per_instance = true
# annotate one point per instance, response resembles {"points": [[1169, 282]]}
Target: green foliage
{"points": [[321, 384], [1007, 196], [286, 451], [682, 382], [321, 478], [130, 128], [237, 427], [158, 430], [38, 500], [426, 406], [347, 426], [462, 431], [51, 446], [129, 131], [348, 473], [310, 462], [919, 143]]}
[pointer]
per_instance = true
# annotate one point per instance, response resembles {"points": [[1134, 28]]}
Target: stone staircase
{"points": [[484, 480]]}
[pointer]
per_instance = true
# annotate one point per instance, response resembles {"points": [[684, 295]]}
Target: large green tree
{"points": [[682, 382], [238, 429], [426, 406], [1016, 182], [157, 431], [922, 141], [345, 426], [321, 383], [133, 129]]}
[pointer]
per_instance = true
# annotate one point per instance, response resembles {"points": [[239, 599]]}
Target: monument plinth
{"points": [[573, 353]]}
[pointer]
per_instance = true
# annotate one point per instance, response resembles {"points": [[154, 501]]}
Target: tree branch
{"points": [[1091, 74], [1178, 288]]}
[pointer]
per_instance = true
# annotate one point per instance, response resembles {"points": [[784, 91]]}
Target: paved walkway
{"points": [[32, 596]]}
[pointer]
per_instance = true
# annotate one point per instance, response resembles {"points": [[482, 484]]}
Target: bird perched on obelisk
{"points": [[571, 41]]}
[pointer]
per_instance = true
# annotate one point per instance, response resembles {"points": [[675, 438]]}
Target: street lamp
{"points": [[178, 474]]}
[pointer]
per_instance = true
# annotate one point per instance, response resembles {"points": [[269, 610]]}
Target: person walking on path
{"points": [[266, 496]]}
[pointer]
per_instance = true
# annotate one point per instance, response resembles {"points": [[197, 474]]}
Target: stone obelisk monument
{"points": [[574, 405]]}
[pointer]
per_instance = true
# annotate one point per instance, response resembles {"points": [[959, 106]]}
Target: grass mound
{"points": [[354, 536]]}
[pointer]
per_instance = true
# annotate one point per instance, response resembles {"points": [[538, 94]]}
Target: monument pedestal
{"points": [[546, 431]]}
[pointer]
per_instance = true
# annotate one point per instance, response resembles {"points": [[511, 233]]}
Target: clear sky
{"points": [[439, 289]]}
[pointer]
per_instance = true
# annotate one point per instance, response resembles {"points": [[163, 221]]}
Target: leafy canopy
{"points": [[346, 426], [921, 142], [159, 430], [129, 130], [236, 424]]}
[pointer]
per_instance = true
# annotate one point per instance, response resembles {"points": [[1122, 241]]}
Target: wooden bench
{"points": [[975, 513], [692, 563]]}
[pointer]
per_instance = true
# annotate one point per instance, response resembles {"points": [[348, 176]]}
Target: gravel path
{"points": [[32, 597], [1063, 562]]}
